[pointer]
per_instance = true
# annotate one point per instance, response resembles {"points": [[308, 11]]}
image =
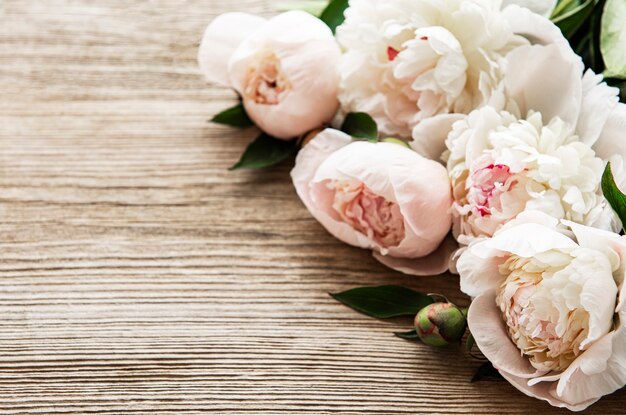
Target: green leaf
{"points": [[409, 335], [486, 371], [613, 38], [570, 21], [333, 13], [360, 125], [314, 7], [235, 117], [384, 301], [470, 342], [265, 151], [613, 195]]}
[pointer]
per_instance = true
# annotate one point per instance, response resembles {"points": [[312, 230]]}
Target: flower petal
{"points": [[551, 85], [611, 141], [308, 161], [544, 391], [478, 275], [429, 136], [221, 38], [599, 100]]}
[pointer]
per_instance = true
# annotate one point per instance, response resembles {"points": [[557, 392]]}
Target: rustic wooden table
{"points": [[138, 275]]}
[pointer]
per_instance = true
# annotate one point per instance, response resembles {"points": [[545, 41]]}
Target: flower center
{"points": [[543, 304], [265, 83], [372, 215], [487, 186]]}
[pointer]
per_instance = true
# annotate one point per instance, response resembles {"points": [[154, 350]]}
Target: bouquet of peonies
{"points": [[484, 138]]}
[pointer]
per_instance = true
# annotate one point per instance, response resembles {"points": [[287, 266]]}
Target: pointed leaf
{"points": [[613, 195], [360, 125], [570, 21], [384, 301], [333, 13], [235, 117], [265, 151], [486, 371], [613, 38], [409, 335]]}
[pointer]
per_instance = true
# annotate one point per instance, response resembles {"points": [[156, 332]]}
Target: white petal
{"points": [[488, 329], [611, 141], [550, 85], [478, 275], [221, 38], [429, 136], [539, 30], [597, 372], [599, 100], [525, 240], [436, 263]]}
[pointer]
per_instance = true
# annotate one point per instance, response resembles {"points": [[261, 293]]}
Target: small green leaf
{"points": [[613, 38], [265, 151], [360, 125], [314, 7], [395, 141], [470, 342], [613, 195], [486, 371], [235, 117], [569, 22], [384, 301], [409, 335], [333, 13]]}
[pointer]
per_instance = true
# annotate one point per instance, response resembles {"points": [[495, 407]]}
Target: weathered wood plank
{"points": [[137, 275]]}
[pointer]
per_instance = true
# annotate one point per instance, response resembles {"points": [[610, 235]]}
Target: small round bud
{"points": [[440, 324], [393, 140]]}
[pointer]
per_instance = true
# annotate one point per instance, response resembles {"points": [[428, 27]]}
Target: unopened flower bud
{"points": [[440, 324]]}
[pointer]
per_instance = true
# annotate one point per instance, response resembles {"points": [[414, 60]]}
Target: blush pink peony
{"points": [[380, 196], [284, 68], [549, 308]]}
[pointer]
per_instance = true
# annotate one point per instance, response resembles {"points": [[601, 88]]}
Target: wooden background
{"points": [[138, 275]]}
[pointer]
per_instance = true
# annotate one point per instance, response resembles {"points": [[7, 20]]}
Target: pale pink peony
{"points": [[549, 308], [284, 68], [379, 196]]}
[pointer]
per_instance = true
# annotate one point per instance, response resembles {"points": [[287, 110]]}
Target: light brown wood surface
{"points": [[138, 275]]}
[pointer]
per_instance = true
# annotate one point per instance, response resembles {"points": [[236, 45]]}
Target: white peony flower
{"points": [[545, 149], [501, 165], [407, 61], [284, 68], [549, 308]]}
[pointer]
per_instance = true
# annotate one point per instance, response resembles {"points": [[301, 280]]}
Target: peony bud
{"points": [[440, 324]]}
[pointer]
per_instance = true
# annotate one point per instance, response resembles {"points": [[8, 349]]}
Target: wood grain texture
{"points": [[138, 275]]}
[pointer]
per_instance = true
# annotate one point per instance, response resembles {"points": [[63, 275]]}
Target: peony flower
{"points": [[284, 68], [501, 166], [549, 308], [380, 196], [544, 149], [409, 62]]}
